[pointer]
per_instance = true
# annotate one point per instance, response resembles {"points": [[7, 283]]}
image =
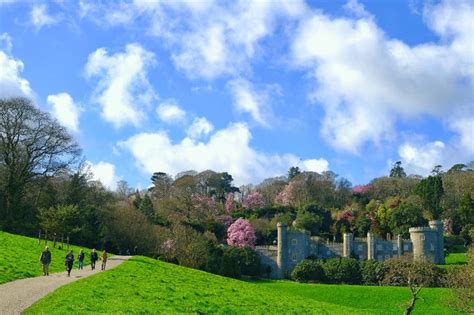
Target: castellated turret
{"points": [[428, 242]]}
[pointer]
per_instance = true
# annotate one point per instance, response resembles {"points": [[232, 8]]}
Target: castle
{"points": [[295, 245]]}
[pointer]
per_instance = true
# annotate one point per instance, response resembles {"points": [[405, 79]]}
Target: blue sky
{"points": [[248, 87]]}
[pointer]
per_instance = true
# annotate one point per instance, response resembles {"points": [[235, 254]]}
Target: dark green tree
{"points": [[293, 172], [403, 217], [146, 207], [431, 191], [397, 170]]}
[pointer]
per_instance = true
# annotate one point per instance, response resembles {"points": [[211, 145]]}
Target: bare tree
{"points": [[32, 145]]}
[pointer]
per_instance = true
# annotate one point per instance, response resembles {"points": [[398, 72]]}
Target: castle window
{"points": [[395, 247], [379, 247], [294, 241], [294, 257], [422, 237], [405, 247], [432, 247], [359, 247]]}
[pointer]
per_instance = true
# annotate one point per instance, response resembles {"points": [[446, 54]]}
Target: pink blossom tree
{"points": [[285, 197], [346, 215], [204, 204], [241, 234], [253, 200], [361, 189]]}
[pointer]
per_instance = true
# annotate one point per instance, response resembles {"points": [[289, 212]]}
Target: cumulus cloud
{"points": [[170, 112], [200, 127], [207, 39], [123, 90], [248, 100], [65, 110], [105, 173], [11, 82], [367, 81], [39, 17], [227, 150]]}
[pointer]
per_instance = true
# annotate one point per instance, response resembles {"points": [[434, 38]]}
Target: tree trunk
{"points": [[411, 306]]}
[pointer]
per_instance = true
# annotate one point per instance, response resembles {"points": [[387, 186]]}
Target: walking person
{"points": [[80, 260], [69, 262], [104, 260], [94, 258], [45, 260]]}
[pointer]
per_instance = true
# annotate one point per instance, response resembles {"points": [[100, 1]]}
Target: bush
{"points": [[372, 272], [237, 262], [308, 270], [342, 270], [421, 273]]}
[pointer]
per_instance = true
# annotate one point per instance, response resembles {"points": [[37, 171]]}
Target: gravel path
{"points": [[16, 296]]}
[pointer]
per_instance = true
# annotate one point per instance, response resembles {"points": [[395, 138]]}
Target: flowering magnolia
{"points": [[253, 200], [229, 203], [346, 215], [203, 202], [241, 234], [361, 189], [168, 245], [285, 197]]}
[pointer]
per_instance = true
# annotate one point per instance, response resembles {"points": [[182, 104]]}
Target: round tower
{"points": [[282, 249], [438, 226]]}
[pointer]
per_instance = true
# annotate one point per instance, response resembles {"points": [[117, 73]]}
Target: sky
{"points": [[248, 87]]}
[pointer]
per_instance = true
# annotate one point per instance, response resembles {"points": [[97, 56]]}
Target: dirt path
{"points": [[16, 296]]}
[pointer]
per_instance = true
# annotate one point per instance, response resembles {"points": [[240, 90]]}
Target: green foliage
{"points": [[372, 272], [431, 190], [404, 271], [20, 257], [146, 207], [308, 221], [403, 217], [308, 270], [293, 172], [61, 219], [362, 225], [342, 270], [144, 285]]}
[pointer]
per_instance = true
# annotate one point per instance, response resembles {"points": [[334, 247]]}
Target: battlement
{"points": [[421, 229]]}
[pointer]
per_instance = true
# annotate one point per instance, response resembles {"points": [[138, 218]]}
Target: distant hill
{"points": [[145, 285]]}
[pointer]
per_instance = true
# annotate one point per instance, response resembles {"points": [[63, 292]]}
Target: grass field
{"points": [[456, 259], [144, 285], [20, 257]]}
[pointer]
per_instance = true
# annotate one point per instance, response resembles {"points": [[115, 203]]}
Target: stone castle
{"points": [[295, 245]]}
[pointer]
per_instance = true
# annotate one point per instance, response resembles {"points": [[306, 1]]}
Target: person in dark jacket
{"points": [[69, 262], [94, 258], [80, 260], [45, 260]]}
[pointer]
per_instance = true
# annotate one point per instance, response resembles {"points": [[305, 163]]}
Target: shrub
{"points": [[240, 261], [401, 271], [308, 270], [342, 270], [372, 272]]}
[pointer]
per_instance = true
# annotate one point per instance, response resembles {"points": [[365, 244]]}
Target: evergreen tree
{"points": [[146, 207], [431, 191], [397, 170]]}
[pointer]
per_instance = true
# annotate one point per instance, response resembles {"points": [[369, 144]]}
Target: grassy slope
{"points": [[20, 257], [146, 285], [456, 259]]}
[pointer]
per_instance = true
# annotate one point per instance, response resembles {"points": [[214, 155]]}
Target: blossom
{"points": [[241, 234], [168, 245], [346, 215], [361, 189], [226, 220], [253, 200], [203, 202], [285, 197]]}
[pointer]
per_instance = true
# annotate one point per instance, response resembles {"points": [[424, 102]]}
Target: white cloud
{"points": [[6, 42], [356, 8], [39, 17], [11, 82], [200, 127], [123, 90], [208, 39], [315, 165], [366, 81], [65, 110], [248, 100], [105, 173], [227, 150], [170, 112]]}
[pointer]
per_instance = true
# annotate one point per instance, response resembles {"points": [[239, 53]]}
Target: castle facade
{"points": [[425, 243]]}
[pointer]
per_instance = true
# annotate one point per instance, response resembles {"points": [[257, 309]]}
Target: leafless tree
{"points": [[32, 145]]}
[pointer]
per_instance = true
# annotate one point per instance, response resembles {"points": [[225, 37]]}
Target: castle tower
{"points": [[370, 246], [438, 226], [282, 252], [399, 246], [347, 245]]}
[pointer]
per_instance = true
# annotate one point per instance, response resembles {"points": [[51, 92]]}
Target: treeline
{"points": [[186, 218]]}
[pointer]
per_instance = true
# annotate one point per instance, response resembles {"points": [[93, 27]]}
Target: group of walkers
{"points": [[45, 260]]}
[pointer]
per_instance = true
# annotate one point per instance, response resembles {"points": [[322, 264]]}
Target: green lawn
{"points": [[20, 257], [456, 259], [144, 285]]}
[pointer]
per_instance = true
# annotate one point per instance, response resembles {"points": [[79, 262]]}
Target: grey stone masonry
{"points": [[295, 245]]}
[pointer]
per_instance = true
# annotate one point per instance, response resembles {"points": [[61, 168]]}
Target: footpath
{"points": [[17, 296]]}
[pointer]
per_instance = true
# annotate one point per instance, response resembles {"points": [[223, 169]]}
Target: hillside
{"points": [[147, 285], [20, 257]]}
